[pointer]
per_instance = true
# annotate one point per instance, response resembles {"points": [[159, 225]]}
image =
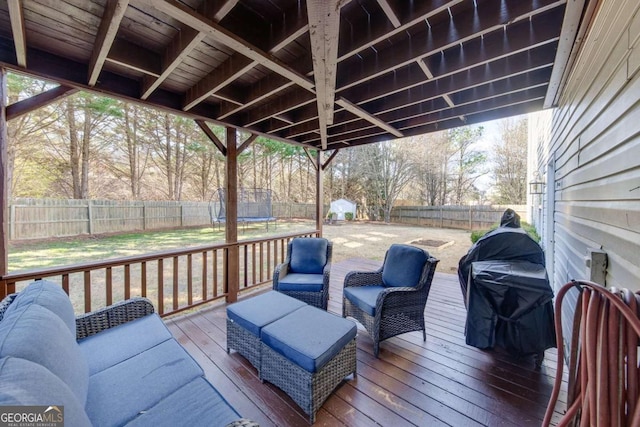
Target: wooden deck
{"points": [[440, 382]]}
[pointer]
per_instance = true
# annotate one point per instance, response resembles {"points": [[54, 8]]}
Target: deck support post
{"points": [[319, 192], [231, 223], [4, 185]]}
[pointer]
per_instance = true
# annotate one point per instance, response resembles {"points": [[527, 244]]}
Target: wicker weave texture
{"points": [[244, 342], [122, 312], [316, 299], [398, 309], [309, 390]]}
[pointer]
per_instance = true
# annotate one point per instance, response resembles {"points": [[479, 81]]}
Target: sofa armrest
{"points": [[243, 423], [108, 317], [363, 278], [280, 271]]}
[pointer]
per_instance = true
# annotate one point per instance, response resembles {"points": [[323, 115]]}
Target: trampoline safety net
{"points": [[254, 204]]}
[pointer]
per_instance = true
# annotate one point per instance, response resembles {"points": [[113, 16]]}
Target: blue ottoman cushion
{"points": [[364, 297], [253, 314], [309, 337], [301, 282]]}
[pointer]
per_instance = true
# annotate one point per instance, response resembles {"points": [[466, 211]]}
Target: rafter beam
{"points": [[16, 16], [354, 109], [113, 14], [247, 142], [134, 57], [391, 15], [212, 136], [195, 20], [28, 105], [324, 26], [331, 157]]}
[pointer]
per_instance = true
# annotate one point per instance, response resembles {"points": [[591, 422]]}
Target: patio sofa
{"points": [[116, 366]]}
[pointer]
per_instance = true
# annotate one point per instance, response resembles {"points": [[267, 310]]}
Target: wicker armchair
{"points": [[391, 301], [304, 275]]}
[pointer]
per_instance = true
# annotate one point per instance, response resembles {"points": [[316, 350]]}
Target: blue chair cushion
{"points": [[364, 297], [26, 383], [115, 345], [403, 266], [195, 404], [301, 282], [308, 255], [255, 313], [119, 393], [309, 337], [36, 334], [50, 296]]}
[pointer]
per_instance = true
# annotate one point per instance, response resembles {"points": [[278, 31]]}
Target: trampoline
{"points": [[254, 205]]}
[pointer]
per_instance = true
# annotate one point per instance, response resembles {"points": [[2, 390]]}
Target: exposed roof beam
{"points": [[16, 15], [195, 20], [354, 109], [247, 142], [212, 136], [470, 25], [135, 57], [391, 15], [40, 100], [331, 157], [238, 64], [324, 20], [183, 43], [113, 14]]}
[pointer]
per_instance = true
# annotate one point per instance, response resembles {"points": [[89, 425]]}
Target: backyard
{"points": [[353, 239]]}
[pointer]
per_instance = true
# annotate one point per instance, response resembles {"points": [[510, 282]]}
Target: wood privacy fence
{"points": [[45, 218], [463, 217]]}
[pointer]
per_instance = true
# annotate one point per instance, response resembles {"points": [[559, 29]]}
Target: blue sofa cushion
{"points": [[309, 337], [119, 393], [115, 345], [308, 255], [364, 297], [301, 282], [195, 404], [403, 265], [50, 296], [255, 313], [36, 334], [26, 383]]}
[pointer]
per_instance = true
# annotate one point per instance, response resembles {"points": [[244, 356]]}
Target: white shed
{"points": [[342, 206]]}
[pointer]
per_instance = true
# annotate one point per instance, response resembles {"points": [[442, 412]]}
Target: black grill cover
{"points": [[510, 306]]}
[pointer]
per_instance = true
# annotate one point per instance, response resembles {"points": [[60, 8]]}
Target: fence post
{"points": [[470, 218], [90, 214], [144, 215], [441, 217], [12, 222]]}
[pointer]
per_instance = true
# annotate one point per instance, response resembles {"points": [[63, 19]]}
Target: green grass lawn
{"points": [[51, 253]]}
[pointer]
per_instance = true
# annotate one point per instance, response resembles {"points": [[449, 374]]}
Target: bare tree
{"points": [[467, 163], [510, 162]]}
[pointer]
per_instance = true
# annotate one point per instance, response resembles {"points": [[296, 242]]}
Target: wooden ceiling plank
{"points": [[135, 57], [183, 43], [212, 136], [354, 109], [37, 101], [113, 14], [195, 20], [391, 15], [228, 71], [324, 20], [16, 16], [425, 69], [492, 18], [279, 105]]}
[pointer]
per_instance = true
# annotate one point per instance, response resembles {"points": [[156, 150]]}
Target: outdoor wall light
{"points": [[536, 185]]}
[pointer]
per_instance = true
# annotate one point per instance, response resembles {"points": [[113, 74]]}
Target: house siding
{"points": [[593, 145]]}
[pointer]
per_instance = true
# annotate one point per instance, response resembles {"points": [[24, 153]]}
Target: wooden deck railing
{"points": [[173, 280]]}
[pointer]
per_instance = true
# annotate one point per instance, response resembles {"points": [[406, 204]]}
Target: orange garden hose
{"points": [[603, 368]]}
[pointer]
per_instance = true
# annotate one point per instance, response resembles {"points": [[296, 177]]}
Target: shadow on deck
{"points": [[440, 382]]}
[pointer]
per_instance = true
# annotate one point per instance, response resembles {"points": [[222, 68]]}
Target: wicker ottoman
{"points": [[307, 353], [245, 320]]}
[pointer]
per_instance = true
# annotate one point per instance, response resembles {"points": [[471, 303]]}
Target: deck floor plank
{"points": [[441, 381]]}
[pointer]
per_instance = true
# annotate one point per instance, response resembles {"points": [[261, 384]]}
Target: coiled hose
{"points": [[603, 364]]}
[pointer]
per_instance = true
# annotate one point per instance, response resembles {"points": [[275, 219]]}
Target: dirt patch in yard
{"points": [[361, 239]]}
